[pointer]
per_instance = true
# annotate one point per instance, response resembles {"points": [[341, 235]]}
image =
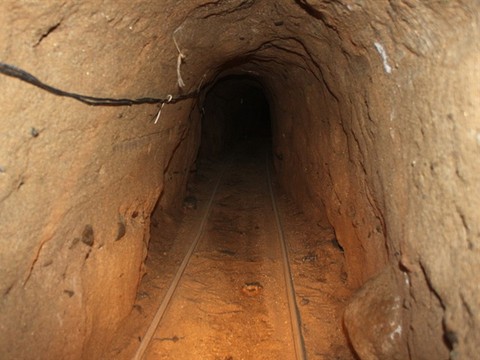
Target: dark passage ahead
{"points": [[234, 109]]}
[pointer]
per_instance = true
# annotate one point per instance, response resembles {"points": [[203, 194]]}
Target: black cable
{"points": [[15, 72]]}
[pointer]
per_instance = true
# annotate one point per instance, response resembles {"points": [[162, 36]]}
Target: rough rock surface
{"points": [[376, 129], [374, 319]]}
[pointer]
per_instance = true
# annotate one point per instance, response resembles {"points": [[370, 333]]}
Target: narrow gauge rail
{"points": [[291, 324]]}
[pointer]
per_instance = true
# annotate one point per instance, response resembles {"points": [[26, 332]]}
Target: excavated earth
{"points": [[373, 111], [213, 315]]}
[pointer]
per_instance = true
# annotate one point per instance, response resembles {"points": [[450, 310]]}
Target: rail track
{"points": [[239, 239]]}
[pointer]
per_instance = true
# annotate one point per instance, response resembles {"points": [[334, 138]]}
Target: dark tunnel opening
{"points": [[235, 110]]}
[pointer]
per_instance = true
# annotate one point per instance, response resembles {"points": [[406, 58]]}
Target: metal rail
{"points": [[295, 320], [292, 305], [173, 286]]}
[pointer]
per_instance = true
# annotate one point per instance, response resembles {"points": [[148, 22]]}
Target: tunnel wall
{"points": [[386, 161], [78, 183], [376, 132]]}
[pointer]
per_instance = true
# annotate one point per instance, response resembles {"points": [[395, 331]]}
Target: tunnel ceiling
{"points": [[375, 131]]}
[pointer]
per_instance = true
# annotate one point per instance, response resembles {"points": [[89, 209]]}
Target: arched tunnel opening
{"points": [[235, 108], [256, 180]]}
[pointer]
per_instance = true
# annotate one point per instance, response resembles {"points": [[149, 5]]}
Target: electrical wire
{"points": [[15, 72]]}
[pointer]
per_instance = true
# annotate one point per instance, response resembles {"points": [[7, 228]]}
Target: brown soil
{"points": [[231, 302]]}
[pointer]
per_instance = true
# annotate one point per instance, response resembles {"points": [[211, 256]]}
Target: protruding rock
{"points": [[373, 319]]}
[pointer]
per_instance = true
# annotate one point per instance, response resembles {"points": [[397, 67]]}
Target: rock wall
{"points": [[376, 130]]}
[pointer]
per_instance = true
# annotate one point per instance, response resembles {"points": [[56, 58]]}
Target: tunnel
{"points": [[118, 117], [235, 108]]}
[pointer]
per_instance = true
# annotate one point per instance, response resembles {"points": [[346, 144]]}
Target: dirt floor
{"points": [[231, 302]]}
